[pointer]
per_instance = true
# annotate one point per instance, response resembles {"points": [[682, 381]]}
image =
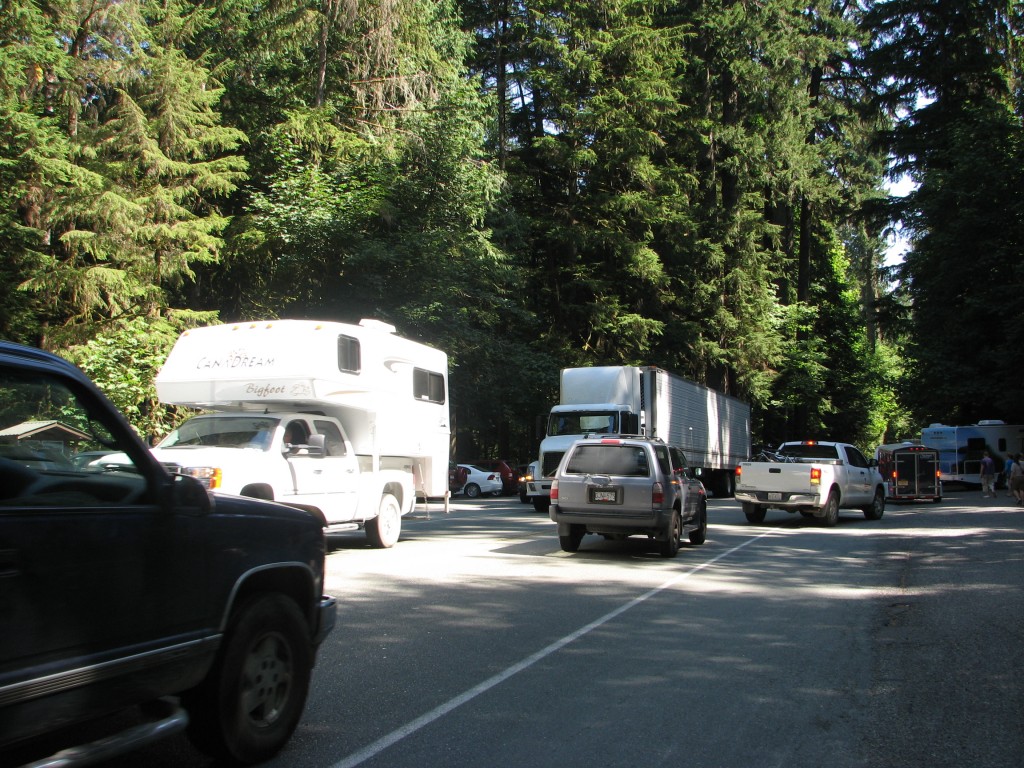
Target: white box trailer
{"points": [[712, 429], [351, 421]]}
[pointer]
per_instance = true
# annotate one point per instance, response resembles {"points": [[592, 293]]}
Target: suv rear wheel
{"points": [[571, 542], [670, 546]]}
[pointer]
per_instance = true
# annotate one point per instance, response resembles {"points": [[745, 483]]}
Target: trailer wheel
{"points": [[383, 530], [753, 512], [876, 508]]}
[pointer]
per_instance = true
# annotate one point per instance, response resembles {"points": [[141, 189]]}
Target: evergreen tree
{"points": [[142, 161], [950, 74]]}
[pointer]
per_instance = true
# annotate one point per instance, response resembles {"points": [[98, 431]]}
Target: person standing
{"points": [[1016, 480], [1007, 470], [988, 476]]}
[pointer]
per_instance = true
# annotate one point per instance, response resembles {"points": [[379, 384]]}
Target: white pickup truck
{"points": [[814, 478]]}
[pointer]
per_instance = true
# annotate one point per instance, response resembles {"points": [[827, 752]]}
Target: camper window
{"points": [[349, 355], [427, 386]]}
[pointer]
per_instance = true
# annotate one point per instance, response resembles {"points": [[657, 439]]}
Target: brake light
{"points": [[739, 472], [554, 490], [657, 494], [815, 475]]}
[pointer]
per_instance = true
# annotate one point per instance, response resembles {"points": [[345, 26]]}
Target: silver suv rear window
{"points": [[623, 460]]}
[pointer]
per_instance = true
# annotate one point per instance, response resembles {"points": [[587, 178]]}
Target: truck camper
{"points": [[349, 421]]}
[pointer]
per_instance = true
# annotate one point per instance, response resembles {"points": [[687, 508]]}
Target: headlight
{"points": [[210, 477]]}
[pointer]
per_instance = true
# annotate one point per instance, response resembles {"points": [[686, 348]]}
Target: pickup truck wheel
{"points": [[571, 541], [253, 697], [700, 534], [670, 546], [876, 508], [472, 490], [753, 512], [383, 530], [831, 508]]}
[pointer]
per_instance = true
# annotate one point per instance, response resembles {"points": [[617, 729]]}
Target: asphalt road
{"points": [[477, 642]]}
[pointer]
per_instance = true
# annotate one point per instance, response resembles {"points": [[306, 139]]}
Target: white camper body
{"points": [[369, 410], [961, 448], [712, 429]]}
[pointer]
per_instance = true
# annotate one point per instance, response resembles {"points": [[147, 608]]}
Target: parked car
{"points": [[480, 481], [128, 588], [456, 478], [506, 471], [618, 486]]}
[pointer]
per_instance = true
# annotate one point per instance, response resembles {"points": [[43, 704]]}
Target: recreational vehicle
{"points": [[961, 448], [349, 421]]}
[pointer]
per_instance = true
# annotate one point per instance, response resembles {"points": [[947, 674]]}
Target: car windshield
{"points": [[239, 431], [581, 423], [624, 460]]}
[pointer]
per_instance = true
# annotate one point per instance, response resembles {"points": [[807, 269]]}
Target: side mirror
{"points": [[317, 446], [188, 492]]}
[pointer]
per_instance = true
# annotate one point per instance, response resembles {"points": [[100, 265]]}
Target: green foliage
{"points": [[124, 362], [530, 184], [960, 136]]}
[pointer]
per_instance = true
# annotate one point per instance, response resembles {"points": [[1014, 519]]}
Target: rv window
{"points": [[349, 360], [427, 386]]}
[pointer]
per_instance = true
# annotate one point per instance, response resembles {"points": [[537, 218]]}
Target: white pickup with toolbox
{"points": [[814, 478], [348, 421]]}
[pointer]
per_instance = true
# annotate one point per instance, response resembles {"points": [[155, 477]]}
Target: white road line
{"points": [[422, 721]]}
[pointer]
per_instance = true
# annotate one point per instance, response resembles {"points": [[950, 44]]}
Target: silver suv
{"points": [[621, 485]]}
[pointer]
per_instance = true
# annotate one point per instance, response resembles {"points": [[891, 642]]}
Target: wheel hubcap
{"points": [[266, 680]]}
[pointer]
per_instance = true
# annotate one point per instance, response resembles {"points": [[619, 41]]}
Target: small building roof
{"points": [[43, 430]]}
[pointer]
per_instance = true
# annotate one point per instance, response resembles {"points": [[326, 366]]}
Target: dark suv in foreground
{"points": [[619, 486], [126, 588]]}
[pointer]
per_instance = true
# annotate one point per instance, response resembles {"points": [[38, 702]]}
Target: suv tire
{"points": [[571, 541], [670, 546], [253, 697], [700, 534]]}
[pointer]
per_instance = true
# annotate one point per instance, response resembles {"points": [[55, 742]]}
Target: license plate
{"points": [[604, 495], [774, 496]]}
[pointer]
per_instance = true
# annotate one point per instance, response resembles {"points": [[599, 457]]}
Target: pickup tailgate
{"points": [[782, 479]]}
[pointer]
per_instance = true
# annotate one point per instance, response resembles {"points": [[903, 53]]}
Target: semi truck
{"points": [[348, 421], [710, 428]]}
